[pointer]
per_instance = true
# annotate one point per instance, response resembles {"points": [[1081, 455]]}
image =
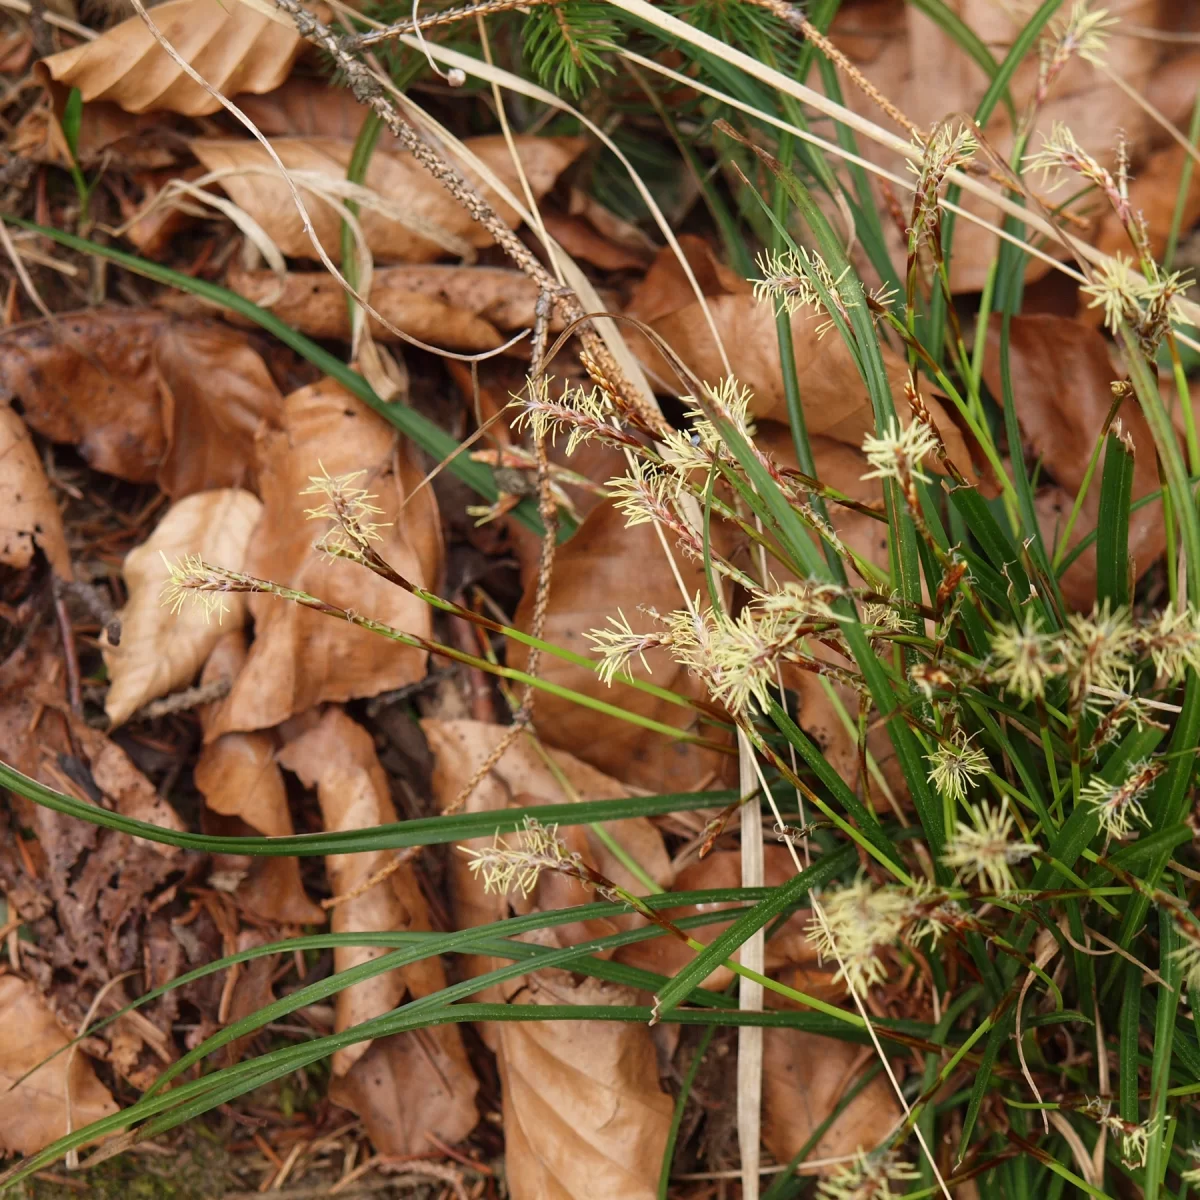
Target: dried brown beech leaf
{"points": [[299, 657], [113, 772], [229, 44], [408, 1085], [835, 399], [239, 777], [523, 778], [460, 308], [216, 391], [804, 1078], [584, 1115], [98, 770], [338, 758], [89, 379], [85, 899], [584, 243], [412, 218], [34, 1113], [29, 517], [1061, 375], [108, 135], [160, 649], [145, 395], [921, 68], [602, 569]]}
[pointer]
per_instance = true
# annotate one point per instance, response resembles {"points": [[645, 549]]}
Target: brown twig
{"points": [[791, 16], [448, 16], [70, 654], [193, 697]]}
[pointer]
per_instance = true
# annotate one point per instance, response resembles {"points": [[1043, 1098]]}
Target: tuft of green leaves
{"points": [[566, 42]]}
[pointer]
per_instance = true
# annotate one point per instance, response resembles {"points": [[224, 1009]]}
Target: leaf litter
{"points": [[295, 714]]}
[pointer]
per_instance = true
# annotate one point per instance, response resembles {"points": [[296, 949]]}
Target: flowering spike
{"points": [[618, 645], [1120, 804], [852, 924], [1082, 32], [898, 452], [869, 1177], [191, 580], [504, 866], [984, 849], [1021, 658], [1187, 959], [348, 507], [796, 281], [955, 763]]}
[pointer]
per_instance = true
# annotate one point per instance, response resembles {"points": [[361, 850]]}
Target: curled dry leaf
{"points": [[108, 135], [30, 519], [299, 657], [804, 1077], [144, 395], [409, 218], [1061, 375], [34, 1113], [161, 649], [835, 399], [605, 569], [239, 777], [461, 308], [229, 44], [410, 1083], [584, 1115]]}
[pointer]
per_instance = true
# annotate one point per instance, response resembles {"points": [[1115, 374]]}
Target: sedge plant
{"points": [[1023, 915]]}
